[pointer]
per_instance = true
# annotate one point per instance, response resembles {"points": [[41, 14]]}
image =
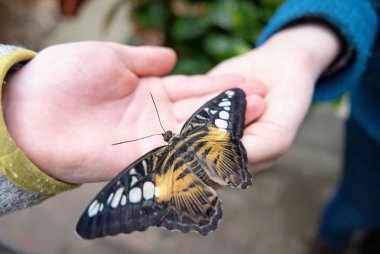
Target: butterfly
{"points": [[173, 186]]}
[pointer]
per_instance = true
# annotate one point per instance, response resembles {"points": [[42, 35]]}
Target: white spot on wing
{"points": [[117, 197], [224, 115], [213, 111], [110, 198], [123, 201], [101, 207], [135, 195], [132, 171], [225, 99], [206, 109], [134, 180], [93, 209], [221, 123], [224, 104], [93, 204], [230, 93], [227, 108], [148, 190]]}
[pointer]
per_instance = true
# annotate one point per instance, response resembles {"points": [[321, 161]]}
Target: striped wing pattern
{"points": [[192, 205], [172, 186], [215, 131]]}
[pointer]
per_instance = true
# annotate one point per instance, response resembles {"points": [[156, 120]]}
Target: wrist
{"points": [[17, 103], [315, 43], [14, 165]]}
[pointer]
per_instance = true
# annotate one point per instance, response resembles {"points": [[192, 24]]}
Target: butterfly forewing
{"points": [[215, 131], [225, 112], [128, 203]]}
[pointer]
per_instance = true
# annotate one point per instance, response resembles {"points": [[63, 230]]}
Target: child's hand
{"points": [[288, 64]]}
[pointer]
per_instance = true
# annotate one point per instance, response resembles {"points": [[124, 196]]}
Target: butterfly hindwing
{"points": [[225, 160], [193, 205], [215, 131]]}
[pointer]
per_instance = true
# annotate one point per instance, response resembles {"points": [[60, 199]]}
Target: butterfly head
{"points": [[167, 136]]}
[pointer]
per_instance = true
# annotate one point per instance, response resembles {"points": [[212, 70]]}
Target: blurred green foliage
{"points": [[203, 33]]}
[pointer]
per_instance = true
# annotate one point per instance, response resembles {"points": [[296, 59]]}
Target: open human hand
{"points": [[288, 64], [67, 106]]}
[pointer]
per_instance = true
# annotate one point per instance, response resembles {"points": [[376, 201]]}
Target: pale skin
{"points": [[67, 106]]}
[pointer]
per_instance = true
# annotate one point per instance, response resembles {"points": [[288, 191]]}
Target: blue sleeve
{"points": [[357, 22]]}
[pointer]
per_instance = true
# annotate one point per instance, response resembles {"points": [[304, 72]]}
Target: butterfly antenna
{"points": [[114, 144], [159, 119]]}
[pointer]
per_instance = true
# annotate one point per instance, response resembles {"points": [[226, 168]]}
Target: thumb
{"points": [[147, 60]]}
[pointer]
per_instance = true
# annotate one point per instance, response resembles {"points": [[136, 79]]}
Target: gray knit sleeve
{"points": [[14, 198]]}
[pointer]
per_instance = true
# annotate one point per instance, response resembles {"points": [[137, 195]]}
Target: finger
{"points": [[255, 108], [186, 107], [184, 87], [264, 141], [180, 87], [146, 60]]}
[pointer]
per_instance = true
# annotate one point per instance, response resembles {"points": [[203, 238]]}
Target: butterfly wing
{"points": [[214, 131], [128, 203], [157, 190], [192, 205]]}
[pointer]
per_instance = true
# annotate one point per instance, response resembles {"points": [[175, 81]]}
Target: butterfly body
{"points": [[173, 186]]}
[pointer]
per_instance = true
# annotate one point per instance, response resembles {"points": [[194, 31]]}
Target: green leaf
{"points": [[221, 46], [271, 3], [192, 65], [133, 41], [238, 17], [245, 20], [152, 15], [268, 8], [187, 28], [219, 13]]}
